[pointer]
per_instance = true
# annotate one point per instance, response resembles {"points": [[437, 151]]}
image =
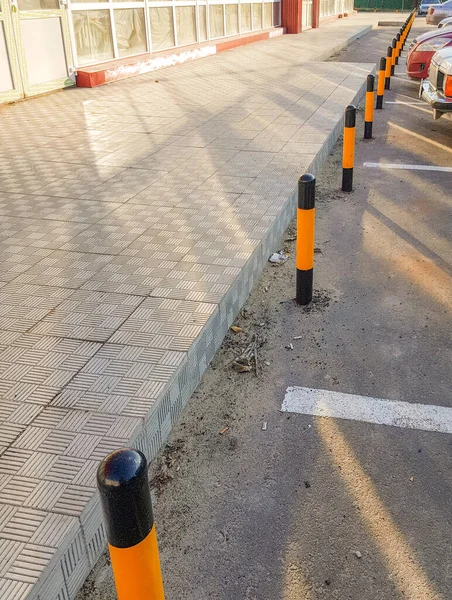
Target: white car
{"points": [[445, 23], [438, 12], [437, 89], [423, 7]]}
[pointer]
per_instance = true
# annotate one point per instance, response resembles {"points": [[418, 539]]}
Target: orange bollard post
{"points": [[348, 153], [388, 69], [305, 238], [369, 107], [122, 480], [381, 83], [393, 57], [398, 49]]}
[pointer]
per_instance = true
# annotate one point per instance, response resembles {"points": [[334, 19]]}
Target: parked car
{"points": [[437, 89], [438, 12], [423, 8], [422, 50], [445, 23]]}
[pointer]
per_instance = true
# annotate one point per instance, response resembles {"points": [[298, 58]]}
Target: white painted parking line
{"points": [[407, 79], [324, 403], [405, 103], [407, 167]]}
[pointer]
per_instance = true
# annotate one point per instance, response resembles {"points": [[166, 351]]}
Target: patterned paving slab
{"points": [[127, 246]]}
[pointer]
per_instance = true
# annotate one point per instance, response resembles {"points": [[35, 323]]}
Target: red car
{"points": [[422, 50]]}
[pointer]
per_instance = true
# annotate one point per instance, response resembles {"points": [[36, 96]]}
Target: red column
{"points": [[291, 15], [315, 14]]}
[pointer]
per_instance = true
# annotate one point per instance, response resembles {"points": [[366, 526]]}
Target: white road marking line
{"points": [[407, 167], [324, 403], [406, 103]]}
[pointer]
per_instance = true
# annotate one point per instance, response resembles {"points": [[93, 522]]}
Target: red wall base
{"points": [[95, 75]]}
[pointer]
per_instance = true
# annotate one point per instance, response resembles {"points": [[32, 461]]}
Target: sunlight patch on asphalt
{"points": [[402, 564]]}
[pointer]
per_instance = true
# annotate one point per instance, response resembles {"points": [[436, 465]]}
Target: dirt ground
{"points": [[252, 503]]}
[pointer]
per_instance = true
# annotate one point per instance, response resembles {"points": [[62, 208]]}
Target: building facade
{"points": [[44, 42]]}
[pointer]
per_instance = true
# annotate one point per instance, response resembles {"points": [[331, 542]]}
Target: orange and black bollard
{"points": [[122, 480], [388, 68], [381, 82], [369, 108], [398, 49], [305, 238], [348, 154], [393, 56]]}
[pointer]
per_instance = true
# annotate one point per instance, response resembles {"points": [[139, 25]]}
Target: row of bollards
{"points": [[306, 183], [122, 476], [386, 71]]}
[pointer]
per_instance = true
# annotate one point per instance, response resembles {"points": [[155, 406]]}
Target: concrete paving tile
{"points": [[87, 315]]}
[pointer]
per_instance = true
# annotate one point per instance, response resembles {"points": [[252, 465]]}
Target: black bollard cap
{"points": [[122, 480], [350, 116], [306, 192], [383, 63]]}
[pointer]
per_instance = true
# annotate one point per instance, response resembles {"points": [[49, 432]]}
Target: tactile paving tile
{"points": [[47, 207], [77, 181], [104, 239], [15, 260], [164, 323], [124, 186], [22, 306], [119, 380], [34, 368], [135, 215], [87, 315], [42, 233], [130, 275], [19, 175], [195, 282], [64, 269], [29, 538], [166, 191]]}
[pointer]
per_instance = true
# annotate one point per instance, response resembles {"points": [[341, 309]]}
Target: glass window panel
{"points": [[38, 4], [162, 27], [268, 10], [92, 35], [202, 23], [130, 31], [232, 19], [216, 20], [186, 25], [245, 16], [276, 14], [257, 16], [6, 76]]}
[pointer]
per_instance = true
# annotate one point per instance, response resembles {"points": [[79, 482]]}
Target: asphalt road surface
{"points": [[259, 504]]}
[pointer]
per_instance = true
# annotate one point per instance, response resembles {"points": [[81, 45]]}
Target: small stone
{"points": [[358, 554]]}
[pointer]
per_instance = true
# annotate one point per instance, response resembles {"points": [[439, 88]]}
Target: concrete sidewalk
{"points": [[135, 220]]}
